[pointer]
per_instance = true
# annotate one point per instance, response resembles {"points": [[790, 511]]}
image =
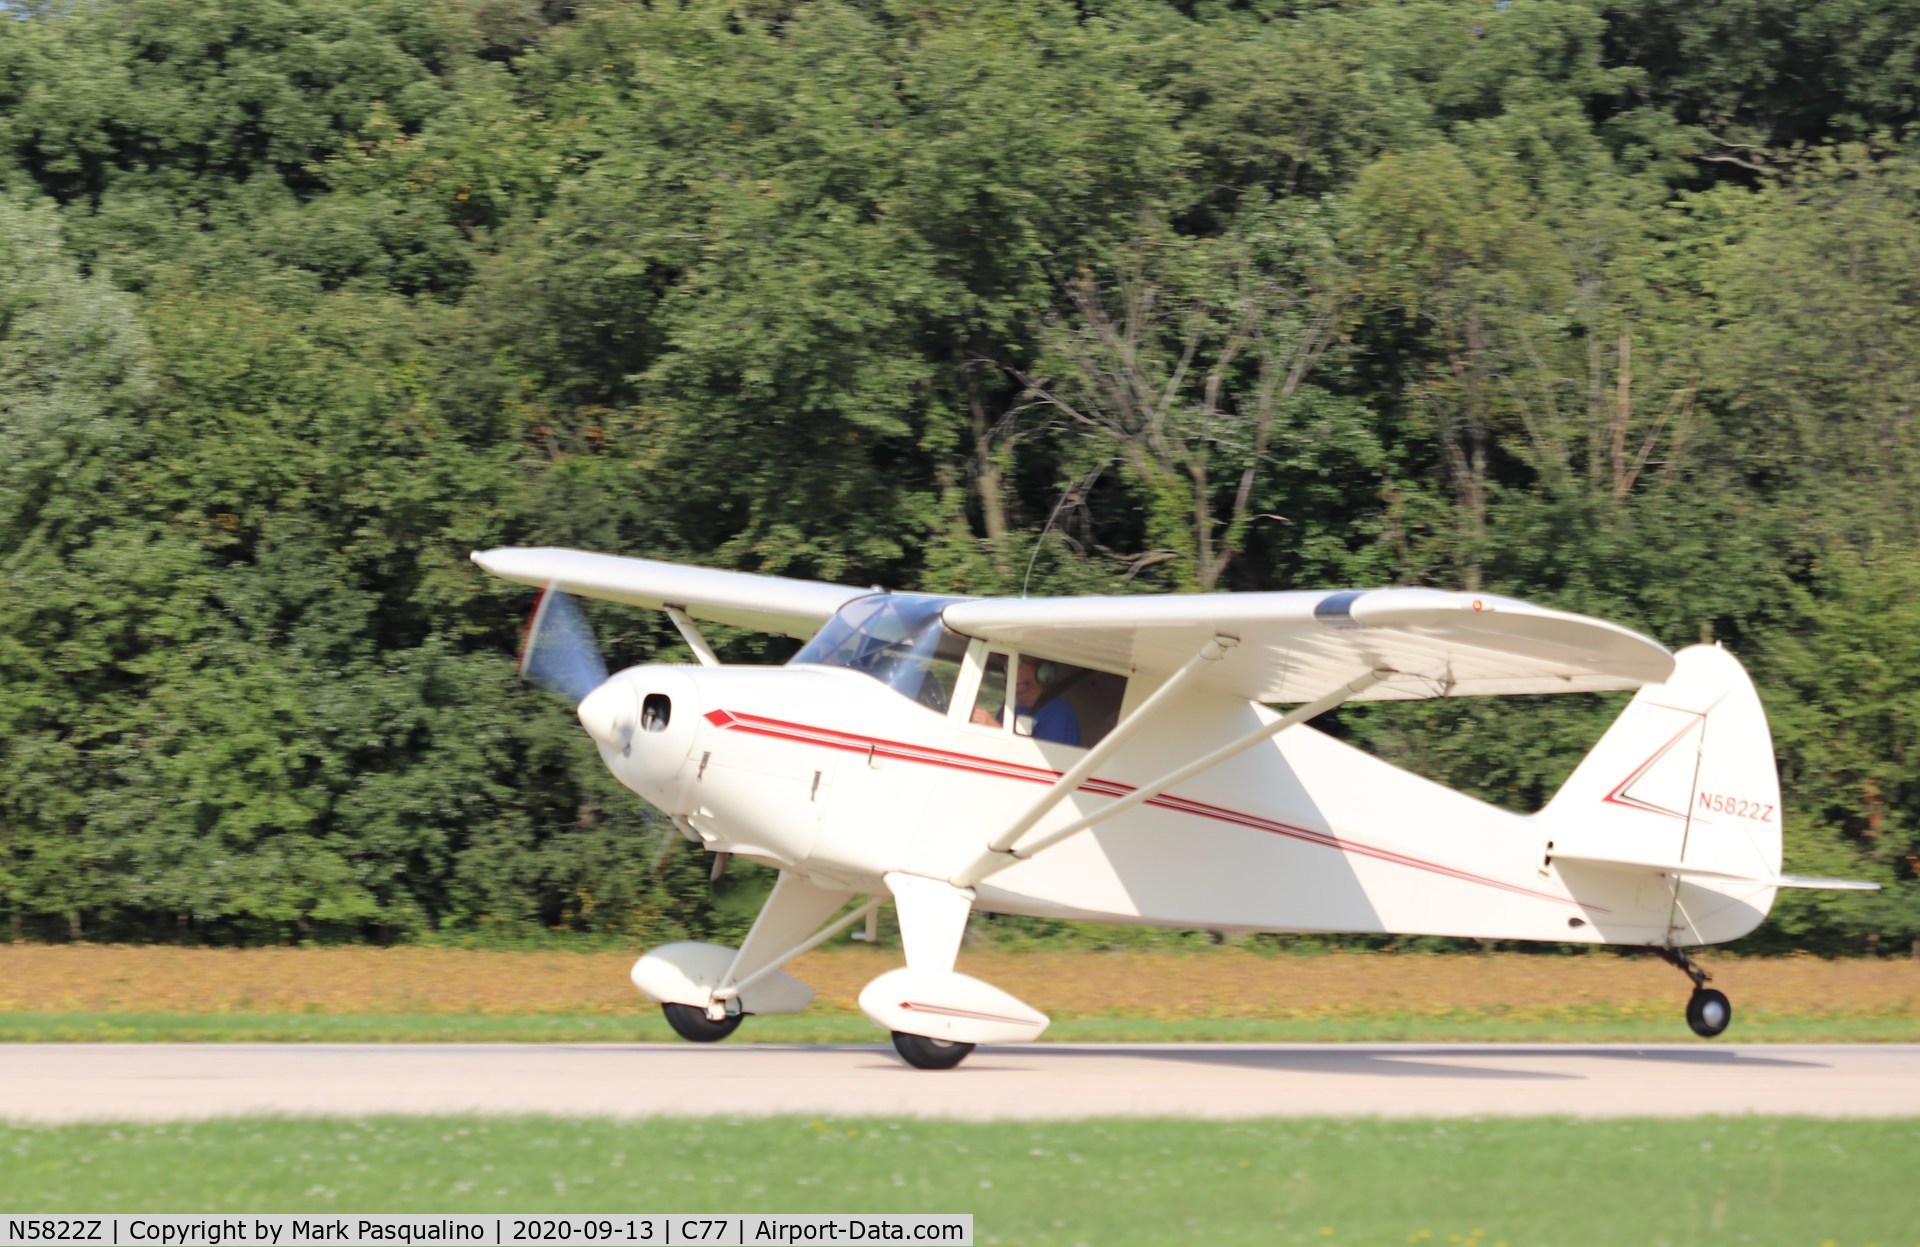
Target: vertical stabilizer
{"points": [[1684, 782]]}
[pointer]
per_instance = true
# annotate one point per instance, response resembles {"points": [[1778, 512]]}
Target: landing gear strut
{"points": [[1709, 1012]]}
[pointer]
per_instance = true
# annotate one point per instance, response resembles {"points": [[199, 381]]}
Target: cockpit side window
{"points": [[990, 702], [896, 638], [1063, 703]]}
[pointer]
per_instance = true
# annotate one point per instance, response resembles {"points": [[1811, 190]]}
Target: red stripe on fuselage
{"points": [[926, 755]]}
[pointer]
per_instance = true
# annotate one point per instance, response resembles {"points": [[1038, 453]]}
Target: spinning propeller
{"points": [[562, 657], [559, 653]]}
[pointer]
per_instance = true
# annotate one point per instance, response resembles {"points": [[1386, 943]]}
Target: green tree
{"points": [[76, 376], [1191, 368], [1758, 75], [800, 253]]}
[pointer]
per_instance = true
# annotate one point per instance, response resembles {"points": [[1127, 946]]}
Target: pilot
{"points": [[1053, 718]]}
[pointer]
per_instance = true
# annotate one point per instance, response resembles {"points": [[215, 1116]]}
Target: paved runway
{"points": [[73, 1082]]}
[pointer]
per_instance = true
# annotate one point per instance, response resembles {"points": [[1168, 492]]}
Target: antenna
{"points": [[1065, 494]]}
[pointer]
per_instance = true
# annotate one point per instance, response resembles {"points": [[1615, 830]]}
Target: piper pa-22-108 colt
{"points": [[1119, 759]]}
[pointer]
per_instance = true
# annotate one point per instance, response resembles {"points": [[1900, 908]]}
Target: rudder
{"points": [[1683, 781]]}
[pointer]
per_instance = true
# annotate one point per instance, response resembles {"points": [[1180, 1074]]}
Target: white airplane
{"points": [[1116, 759]]}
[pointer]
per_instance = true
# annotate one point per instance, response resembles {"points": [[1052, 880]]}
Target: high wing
{"points": [[1292, 647], [1299, 646], [795, 608]]}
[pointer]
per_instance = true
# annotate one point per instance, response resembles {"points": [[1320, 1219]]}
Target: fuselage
{"points": [[834, 774]]}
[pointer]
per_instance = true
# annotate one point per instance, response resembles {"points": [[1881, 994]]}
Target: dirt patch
{"points": [[1227, 983]]}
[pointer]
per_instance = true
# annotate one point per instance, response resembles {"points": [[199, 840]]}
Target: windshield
{"points": [[897, 639]]}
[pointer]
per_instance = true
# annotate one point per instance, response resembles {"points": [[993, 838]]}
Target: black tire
{"points": [[693, 1023], [1709, 1012], [924, 1053]]}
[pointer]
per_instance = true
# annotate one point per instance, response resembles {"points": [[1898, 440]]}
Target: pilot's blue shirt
{"points": [[1056, 721]]}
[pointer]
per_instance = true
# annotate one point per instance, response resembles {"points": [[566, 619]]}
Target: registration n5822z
{"points": [[56, 1229]]}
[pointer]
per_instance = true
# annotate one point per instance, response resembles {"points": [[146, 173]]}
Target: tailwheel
{"points": [[1709, 1012], [691, 1022], [923, 1053]]}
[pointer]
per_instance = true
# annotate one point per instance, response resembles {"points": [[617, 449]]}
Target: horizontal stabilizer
{"points": [[1701, 872], [1836, 885]]}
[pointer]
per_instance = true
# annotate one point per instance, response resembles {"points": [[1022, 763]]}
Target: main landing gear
{"points": [[923, 1052], [690, 1022], [1709, 1012]]}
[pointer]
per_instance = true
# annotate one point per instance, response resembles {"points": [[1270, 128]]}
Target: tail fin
{"points": [[1683, 784]]}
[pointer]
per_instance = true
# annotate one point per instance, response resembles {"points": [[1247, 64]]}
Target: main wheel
{"points": [[1709, 1012], [924, 1053], [693, 1023]]}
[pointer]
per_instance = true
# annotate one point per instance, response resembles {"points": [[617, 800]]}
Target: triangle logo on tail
{"points": [[1663, 784]]}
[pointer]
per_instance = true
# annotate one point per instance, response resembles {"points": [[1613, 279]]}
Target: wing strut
{"points": [[691, 634], [997, 858]]}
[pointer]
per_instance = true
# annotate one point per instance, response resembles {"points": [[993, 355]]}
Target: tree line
{"points": [[1609, 306]]}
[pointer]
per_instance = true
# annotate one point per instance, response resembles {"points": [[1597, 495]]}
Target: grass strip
{"points": [[1516, 1182], [1570, 1026]]}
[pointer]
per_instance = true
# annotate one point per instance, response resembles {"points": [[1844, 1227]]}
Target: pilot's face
{"points": [[1026, 682]]}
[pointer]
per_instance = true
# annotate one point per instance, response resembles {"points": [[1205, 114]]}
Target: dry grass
{"points": [[1227, 983]]}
